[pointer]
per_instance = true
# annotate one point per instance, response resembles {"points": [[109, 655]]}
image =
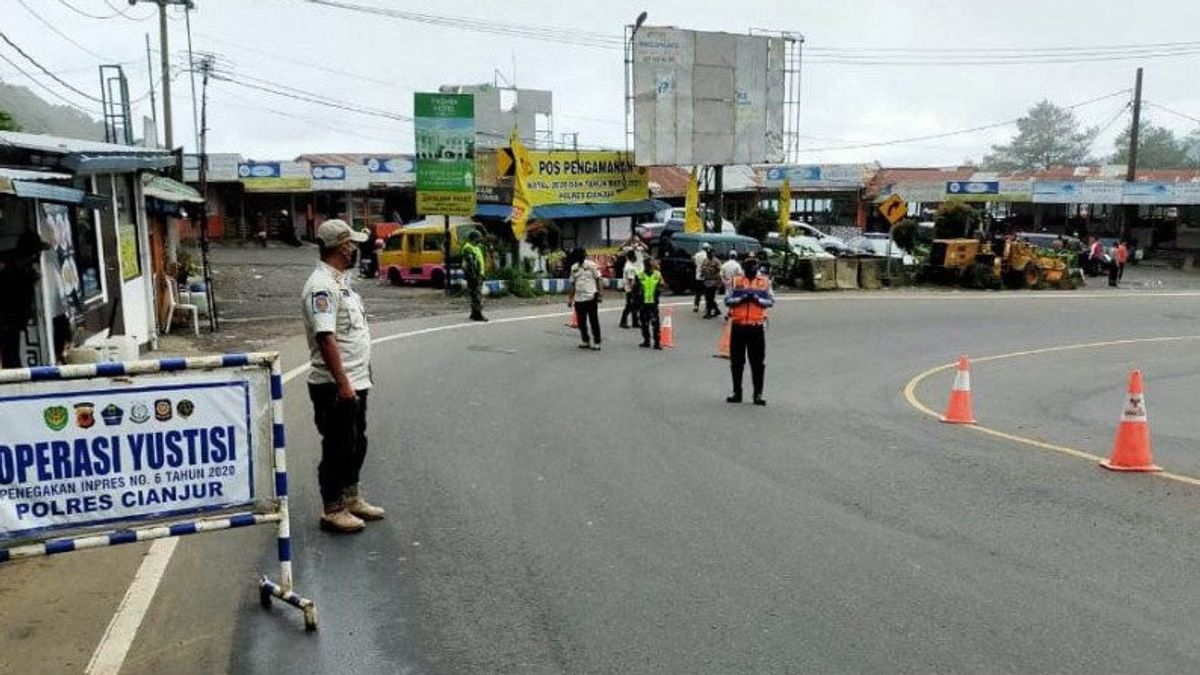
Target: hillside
{"points": [[39, 117]]}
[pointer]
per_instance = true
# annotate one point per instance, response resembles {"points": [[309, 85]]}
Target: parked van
{"points": [[415, 254], [678, 268]]}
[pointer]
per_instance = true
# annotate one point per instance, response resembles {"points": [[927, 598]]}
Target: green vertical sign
{"points": [[445, 143]]}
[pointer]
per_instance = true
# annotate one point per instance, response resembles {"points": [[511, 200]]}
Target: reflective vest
{"points": [[477, 252], [747, 312], [650, 284]]}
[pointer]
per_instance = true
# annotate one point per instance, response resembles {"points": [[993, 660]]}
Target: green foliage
{"points": [[905, 234], [520, 281], [1047, 136], [8, 122], [955, 220], [543, 236], [758, 222], [1158, 148]]}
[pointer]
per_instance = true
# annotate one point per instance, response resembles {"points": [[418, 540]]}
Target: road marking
{"points": [[910, 395], [110, 654], [118, 637]]}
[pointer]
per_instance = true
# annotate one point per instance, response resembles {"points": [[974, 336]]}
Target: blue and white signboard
{"points": [[259, 170], [328, 172], [389, 164], [973, 187], [815, 176], [73, 456]]}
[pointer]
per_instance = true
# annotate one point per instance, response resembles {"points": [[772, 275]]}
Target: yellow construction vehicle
{"points": [[982, 264]]}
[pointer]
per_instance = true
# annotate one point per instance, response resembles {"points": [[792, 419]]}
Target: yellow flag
{"points": [[691, 206], [785, 207], [521, 169]]}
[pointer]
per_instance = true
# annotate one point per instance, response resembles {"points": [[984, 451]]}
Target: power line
{"points": [[312, 99], [59, 33], [122, 12], [1173, 112], [959, 132], [1100, 132], [42, 68], [535, 32], [52, 92], [308, 64], [80, 12]]}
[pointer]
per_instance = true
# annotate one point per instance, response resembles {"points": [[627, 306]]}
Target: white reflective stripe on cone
{"points": [[962, 380], [1135, 409]]}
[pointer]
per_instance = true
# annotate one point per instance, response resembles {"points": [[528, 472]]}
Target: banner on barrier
{"points": [[73, 457]]}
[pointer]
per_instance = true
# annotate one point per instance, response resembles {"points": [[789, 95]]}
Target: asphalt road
{"points": [[559, 511]]}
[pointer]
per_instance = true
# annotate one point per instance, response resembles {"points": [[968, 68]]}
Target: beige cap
{"points": [[336, 232]]}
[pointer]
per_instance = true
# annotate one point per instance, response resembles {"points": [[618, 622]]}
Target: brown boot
{"points": [[337, 518], [360, 507]]}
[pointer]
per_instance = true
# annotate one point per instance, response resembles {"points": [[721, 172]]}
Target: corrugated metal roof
{"points": [[66, 146], [26, 174]]}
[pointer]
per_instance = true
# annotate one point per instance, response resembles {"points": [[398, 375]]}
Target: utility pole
{"points": [[1131, 210], [165, 59], [206, 65], [150, 76]]}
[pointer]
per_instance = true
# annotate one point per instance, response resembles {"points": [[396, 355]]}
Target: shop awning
{"points": [[48, 192], [116, 162], [169, 190], [569, 211]]}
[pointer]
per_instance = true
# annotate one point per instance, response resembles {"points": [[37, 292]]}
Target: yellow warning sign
{"points": [[894, 208]]}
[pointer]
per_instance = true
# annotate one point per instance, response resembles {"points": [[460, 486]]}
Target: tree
{"points": [[7, 122], [955, 220], [758, 222], [1047, 136], [1158, 148]]}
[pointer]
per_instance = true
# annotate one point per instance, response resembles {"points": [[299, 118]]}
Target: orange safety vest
{"points": [[748, 312]]}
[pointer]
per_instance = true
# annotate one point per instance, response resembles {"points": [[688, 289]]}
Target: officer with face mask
{"points": [[748, 298], [340, 351]]}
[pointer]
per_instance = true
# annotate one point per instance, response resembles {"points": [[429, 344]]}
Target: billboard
{"points": [[707, 98], [445, 142], [569, 177], [275, 176]]}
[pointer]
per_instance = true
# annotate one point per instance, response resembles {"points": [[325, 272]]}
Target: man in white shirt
{"points": [[629, 277], [730, 269], [339, 344], [699, 259]]}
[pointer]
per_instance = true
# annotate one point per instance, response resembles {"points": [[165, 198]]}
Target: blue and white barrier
{"points": [[104, 454]]}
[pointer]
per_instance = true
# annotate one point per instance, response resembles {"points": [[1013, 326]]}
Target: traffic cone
{"points": [[1131, 448], [666, 332], [958, 410], [723, 343]]}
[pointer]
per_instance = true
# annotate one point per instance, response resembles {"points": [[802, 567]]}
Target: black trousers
{"points": [[651, 324], [710, 301], [747, 340], [1120, 271], [588, 312], [1113, 272], [633, 307], [343, 428], [699, 292]]}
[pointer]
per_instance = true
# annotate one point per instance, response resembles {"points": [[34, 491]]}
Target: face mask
{"points": [[350, 251]]}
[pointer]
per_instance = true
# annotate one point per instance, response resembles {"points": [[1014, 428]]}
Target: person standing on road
{"points": [[586, 298], [748, 299], [698, 261], [474, 267], [629, 278], [711, 272], [730, 270], [1122, 257], [650, 281], [339, 344]]}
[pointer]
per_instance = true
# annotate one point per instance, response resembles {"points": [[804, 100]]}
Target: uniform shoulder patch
{"points": [[321, 303]]}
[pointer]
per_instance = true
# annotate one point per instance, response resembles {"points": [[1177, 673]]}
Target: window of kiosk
{"points": [[127, 234], [86, 231]]}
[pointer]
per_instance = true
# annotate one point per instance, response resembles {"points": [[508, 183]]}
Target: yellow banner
{"points": [[520, 201], [285, 184], [691, 206], [591, 177], [785, 206]]}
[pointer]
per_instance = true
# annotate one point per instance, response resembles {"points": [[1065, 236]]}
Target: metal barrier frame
{"points": [[266, 587]]}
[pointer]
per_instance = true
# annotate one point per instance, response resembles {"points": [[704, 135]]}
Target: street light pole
{"points": [[165, 60]]}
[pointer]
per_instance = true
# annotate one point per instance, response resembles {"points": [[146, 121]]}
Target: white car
{"points": [[876, 244], [804, 246], [680, 213], [827, 242]]}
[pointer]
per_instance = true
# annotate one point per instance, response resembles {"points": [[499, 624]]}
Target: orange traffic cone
{"points": [[666, 332], [573, 322], [958, 410], [723, 343], [1131, 448]]}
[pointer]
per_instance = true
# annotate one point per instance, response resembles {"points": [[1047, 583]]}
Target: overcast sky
{"points": [[308, 47]]}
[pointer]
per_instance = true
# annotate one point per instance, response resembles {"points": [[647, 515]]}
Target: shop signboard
{"points": [[595, 177]]}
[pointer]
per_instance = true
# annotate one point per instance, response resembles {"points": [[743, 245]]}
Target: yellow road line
{"points": [[910, 395]]}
